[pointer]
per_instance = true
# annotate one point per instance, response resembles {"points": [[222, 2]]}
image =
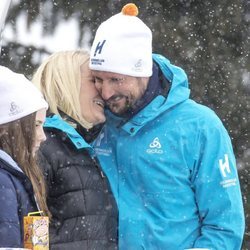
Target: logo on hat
{"points": [[14, 109], [139, 63], [138, 66], [99, 47]]}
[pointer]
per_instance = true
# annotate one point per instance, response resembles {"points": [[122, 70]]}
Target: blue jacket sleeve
{"points": [[10, 232], [217, 191]]}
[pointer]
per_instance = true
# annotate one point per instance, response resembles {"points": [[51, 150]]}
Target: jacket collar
{"points": [[7, 158], [56, 122]]}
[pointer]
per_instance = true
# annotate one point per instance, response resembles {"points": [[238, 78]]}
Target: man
{"points": [[169, 160]]}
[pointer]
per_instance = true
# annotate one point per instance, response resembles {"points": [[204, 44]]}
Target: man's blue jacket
{"points": [[173, 172]]}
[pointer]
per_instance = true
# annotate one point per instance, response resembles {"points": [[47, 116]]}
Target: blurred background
{"points": [[210, 40]]}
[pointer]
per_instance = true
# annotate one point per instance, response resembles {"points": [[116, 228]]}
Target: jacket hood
{"points": [[179, 90], [7, 158]]}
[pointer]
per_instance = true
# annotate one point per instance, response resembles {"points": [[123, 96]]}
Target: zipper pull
{"points": [[102, 175], [98, 167]]}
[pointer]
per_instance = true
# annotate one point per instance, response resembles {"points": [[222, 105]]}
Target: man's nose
{"points": [[106, 90]]}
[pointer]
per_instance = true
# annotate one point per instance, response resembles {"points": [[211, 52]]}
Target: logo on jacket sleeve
{"points": [[226, 172], [224, 166], [155, 147]]}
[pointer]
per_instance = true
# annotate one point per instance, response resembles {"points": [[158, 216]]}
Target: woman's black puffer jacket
{"points": [[84, 212]]}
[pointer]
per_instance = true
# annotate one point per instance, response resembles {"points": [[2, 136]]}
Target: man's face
{"points": [[120, 92]]}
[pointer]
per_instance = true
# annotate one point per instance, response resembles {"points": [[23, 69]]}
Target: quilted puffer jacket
{"points": [[79, 197]]}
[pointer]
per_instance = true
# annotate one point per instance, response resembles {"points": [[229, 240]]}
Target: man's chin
{"points": [[117, 111]]}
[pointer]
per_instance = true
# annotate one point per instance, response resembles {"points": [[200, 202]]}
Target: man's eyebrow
{"points": [[117, 78], [97, 77]]}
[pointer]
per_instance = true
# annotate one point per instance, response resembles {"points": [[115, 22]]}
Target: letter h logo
{"points": [[99, 47], [224, 166]]}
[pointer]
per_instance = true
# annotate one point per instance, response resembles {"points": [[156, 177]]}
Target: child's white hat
{"points": [[18, 96]]}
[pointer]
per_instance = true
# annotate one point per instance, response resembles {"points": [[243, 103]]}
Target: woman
{"points": [[22, 189], [84, 213]]}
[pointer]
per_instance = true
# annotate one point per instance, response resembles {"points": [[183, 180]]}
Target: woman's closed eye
{"points": [[39, 123]]}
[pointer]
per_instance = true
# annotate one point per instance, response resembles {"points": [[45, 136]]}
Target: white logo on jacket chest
{"points": [[155, 147], [100, 146]]}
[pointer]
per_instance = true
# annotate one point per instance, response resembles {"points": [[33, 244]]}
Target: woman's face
{"points": [[92, 105], [40, 135]]}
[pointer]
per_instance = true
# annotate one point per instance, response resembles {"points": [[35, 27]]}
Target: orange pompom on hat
{"points": [[123, 44], [130, 9]]}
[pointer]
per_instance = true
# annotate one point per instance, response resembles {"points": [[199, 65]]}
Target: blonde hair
{"points": [[59, 79]]}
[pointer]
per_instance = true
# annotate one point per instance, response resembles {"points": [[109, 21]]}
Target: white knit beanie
{"points": [[123, 44], [19, 97]]}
